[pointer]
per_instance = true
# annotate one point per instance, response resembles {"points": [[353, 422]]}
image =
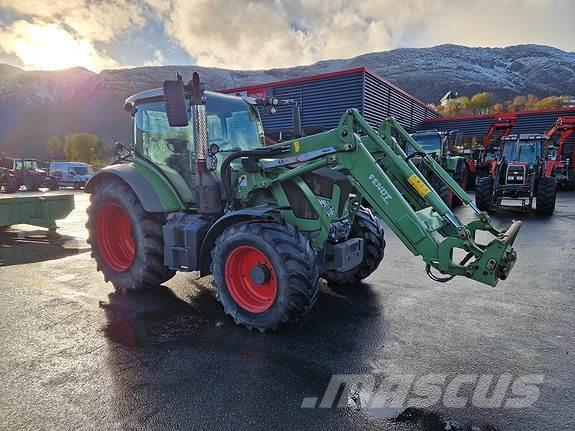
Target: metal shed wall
{"points": [[527, 122], [324, 98], [383, 99]]}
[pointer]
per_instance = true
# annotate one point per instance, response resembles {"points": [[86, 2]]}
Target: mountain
{"points": [[35, 105]]}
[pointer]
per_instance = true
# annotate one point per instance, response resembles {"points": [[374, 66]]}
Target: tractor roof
{"points": [[157, 94]]}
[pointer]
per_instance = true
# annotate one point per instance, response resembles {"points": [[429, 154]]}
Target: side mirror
{"points": [[175, 102]]}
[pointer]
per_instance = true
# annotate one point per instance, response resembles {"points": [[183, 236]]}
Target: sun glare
{"points": [[48, 47]]}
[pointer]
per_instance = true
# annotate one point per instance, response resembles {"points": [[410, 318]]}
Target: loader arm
{"points": [[384, 176]]}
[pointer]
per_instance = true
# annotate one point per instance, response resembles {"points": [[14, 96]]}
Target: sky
{"points": [[262, 34]]}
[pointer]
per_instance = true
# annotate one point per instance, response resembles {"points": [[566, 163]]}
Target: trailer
{"points": [[42, 211]]}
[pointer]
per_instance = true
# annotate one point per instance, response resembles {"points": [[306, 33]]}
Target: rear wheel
{"points": [[484, 193], [127, 242], [546, 195], [266, 274], [460, 178], [443, 191], [368, 227], [10, 185]]}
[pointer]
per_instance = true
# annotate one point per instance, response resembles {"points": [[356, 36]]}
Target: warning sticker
{"points": [[418, 185]]}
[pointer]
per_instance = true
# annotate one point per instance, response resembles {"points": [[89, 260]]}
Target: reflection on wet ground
{"points": [[20, 247]]}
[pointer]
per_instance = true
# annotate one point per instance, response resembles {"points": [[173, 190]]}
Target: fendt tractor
{"points": [[439, 145], [519, 175], [560, 163], [200, 191], [27, 173]]}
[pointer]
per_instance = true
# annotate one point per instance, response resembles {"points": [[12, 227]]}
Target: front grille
{"points": [[516, 174]]}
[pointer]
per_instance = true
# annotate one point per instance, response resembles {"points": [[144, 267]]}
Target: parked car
{"points": [[71, 174]]}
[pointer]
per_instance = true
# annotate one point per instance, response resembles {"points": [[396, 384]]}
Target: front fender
{"points": [[155, 193]]}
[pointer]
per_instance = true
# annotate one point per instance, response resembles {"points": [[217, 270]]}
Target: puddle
{"points": [[140, 318]]}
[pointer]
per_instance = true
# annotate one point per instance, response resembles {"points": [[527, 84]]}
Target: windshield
{"points": [[430, 142], [233, 125], [27, 164], [82, 170], [529, 151], [526, 151]]}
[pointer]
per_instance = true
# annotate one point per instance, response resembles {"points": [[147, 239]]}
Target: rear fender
{"points": [[155, 193], [258, 213]]}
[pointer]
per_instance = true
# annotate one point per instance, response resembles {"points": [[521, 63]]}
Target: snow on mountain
{"points": [[35, 105]]}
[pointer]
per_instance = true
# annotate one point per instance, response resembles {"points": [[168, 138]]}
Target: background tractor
{"points": [[560, 163], [198, 190], [484, 160], [518, 174], [27, 173], [440, 145]]}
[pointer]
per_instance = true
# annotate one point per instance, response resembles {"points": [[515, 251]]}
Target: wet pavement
{"points": [[75, 355]]}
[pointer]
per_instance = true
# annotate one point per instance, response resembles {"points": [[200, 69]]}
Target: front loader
{"points": [[268, 221], [561, 164]]}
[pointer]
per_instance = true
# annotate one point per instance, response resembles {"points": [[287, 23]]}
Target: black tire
{"points": [[147, 267], [294, 265], [484, 193], [546, 195], [370, 228], [9, 185], [443, 191], [32, 186], [461, 176]]}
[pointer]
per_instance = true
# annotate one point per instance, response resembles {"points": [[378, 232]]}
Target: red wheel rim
{"points": [[251, 279], [114, 237]]}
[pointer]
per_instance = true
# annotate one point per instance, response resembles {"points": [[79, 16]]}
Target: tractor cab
{"points": [[233, 124], [433, 142], [520, 157]]}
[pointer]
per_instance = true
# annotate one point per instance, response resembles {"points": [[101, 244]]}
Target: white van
{"points": [[71, 174]]}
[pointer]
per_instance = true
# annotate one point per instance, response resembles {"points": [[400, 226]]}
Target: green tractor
{"points": [[199, 191], [439, 145]]}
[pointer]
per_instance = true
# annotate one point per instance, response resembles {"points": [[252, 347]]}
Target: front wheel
{"points": [[546, 195], [127, 241], [266, 274], [368, 227], [484, 193]]}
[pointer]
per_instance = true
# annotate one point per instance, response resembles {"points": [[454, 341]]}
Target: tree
{"points": [[82, 147], [54, 146], [550, 102], [497, 108], [481, 102]]}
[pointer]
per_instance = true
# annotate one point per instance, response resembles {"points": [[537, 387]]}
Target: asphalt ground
{"points": [[76, 355]]}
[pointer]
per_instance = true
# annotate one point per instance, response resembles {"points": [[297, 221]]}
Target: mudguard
{"points": [[155, 193], [247, 214]]}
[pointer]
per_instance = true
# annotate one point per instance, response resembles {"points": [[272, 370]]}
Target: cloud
{"points": [[98, 21], [252, 34], [159, 59], [256, 34], [47, 47]]}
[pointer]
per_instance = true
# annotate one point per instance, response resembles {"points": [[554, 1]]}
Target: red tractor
{"points": [[26, 173], [484, 160], [517, 173], [560, 164]]}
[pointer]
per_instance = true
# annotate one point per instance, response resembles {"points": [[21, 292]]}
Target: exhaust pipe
{"points": [[208, 195]]}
